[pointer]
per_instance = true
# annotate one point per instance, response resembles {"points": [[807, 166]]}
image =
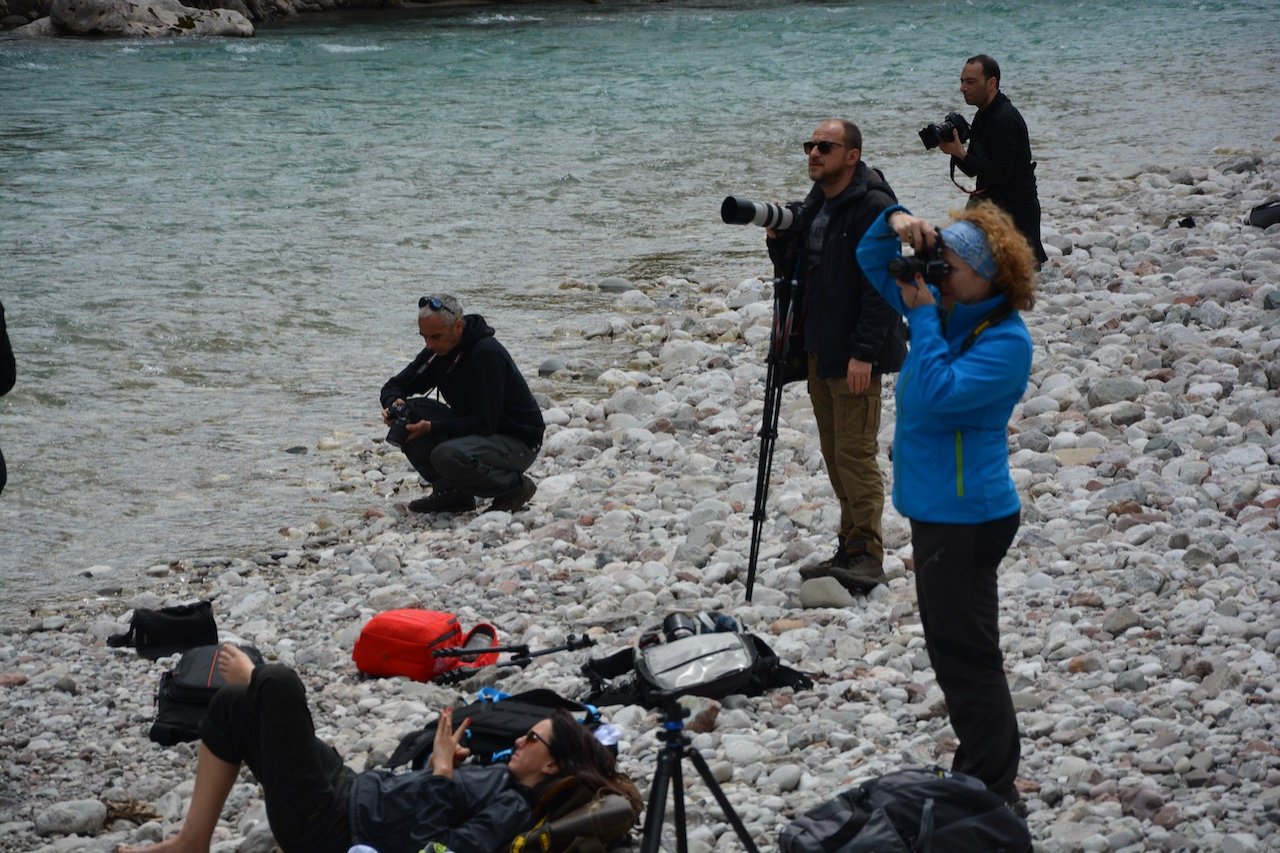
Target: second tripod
{"points": [[675, 748]]}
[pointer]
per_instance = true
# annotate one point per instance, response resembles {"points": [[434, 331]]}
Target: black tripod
{"points": [[676, 747], [785, 296]]}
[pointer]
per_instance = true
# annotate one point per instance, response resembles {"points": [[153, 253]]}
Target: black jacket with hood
{"points": [[845, 317], [481, 384]]}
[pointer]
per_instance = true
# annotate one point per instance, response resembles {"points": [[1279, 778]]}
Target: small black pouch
{"points": [[169, 630]]}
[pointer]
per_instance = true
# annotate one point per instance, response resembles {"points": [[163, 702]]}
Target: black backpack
{"points": [[185, 693], [169, 630], [926, 810], [496, 721]]}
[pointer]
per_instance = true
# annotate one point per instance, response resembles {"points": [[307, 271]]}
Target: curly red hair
{"points": [[1015, 264]]}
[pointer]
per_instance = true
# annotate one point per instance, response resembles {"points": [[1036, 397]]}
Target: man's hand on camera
{"points": [[953, 146], [386, 413], [858, 376], [417, 429]]}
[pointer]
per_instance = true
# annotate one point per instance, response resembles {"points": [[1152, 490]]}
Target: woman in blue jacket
{"points": [[967, 368]]}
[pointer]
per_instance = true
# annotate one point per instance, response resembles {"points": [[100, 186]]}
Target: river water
{"points": [[211, 250]]}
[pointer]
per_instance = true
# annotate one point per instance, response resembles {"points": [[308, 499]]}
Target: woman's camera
{"points": [[933, 134], [926, 263]]}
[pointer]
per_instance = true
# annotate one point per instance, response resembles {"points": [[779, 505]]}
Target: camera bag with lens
{"points": [[169, 630], [186, 691], [913, 809], [713, 665], [497, 719], [404, 642]]}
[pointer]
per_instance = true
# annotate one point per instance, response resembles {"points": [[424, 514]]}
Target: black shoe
{"points": [[517, 497], [861, 574], [839, 559], [444, 500]]}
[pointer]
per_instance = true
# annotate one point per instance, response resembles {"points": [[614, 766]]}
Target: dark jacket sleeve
{"points": [[490, 821], [8, 367], [414, 379]]}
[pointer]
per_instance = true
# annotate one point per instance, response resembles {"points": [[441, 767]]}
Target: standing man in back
{"points": [[486, 433], [851, 338], [999, 152]]}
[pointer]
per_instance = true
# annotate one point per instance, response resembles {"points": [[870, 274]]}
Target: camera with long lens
{"points": [[933, 134], [926, 263], [742, 211], [402, 414]]}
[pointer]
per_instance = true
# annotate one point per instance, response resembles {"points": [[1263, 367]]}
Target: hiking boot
{"points": [[861, 574], [444, 500], [839, 559], [517, 497]]}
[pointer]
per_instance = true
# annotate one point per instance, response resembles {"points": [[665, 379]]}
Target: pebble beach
{"points": [[1140, 603]]}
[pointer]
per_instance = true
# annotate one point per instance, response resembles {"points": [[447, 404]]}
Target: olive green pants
{"points": [[848, 426]]}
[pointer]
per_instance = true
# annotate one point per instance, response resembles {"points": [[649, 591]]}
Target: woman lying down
{"points": [[317, 804]]}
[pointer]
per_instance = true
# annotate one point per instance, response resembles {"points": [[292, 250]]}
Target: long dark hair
{"points": [[581, 756]]}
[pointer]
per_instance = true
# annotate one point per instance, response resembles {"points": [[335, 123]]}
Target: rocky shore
{"points": [[167, 18], [1140, 603]]}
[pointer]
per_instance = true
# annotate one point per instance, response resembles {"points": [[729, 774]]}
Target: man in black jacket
{"points": [[8, 374], [488, 430], [851, 338], [999, 152]]}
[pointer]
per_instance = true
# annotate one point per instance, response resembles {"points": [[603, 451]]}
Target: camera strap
{"points": [[1003, 310], [963, 189]]}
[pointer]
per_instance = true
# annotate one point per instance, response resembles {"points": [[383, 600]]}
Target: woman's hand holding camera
{"points": [[922, 237]]}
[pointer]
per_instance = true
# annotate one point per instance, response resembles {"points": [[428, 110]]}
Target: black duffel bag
{"points": [[924, 810], [169, 630]]}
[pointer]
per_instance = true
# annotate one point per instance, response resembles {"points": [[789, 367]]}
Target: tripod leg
{"points": [[651, 838], [700, 764], [677, 792]]}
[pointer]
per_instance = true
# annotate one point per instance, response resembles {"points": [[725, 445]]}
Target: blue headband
{"points": [[970, 243]]}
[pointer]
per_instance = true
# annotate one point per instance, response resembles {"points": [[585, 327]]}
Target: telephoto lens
{"points": [[742, 211]]}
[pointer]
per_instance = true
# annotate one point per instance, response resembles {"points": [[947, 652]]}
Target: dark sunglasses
{"points": [[824, 146], [534, 737]]}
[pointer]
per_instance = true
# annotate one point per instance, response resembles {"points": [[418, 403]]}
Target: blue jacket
{"points": [[950, 439]]}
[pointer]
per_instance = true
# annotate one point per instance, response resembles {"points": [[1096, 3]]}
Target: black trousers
{"points": [[267, 726], [956, 587]]}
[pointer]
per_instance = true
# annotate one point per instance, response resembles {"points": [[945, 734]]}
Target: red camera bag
{"points": [[404, 642]]}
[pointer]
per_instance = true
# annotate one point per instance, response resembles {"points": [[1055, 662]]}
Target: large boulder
{"points": [[149, 18]]}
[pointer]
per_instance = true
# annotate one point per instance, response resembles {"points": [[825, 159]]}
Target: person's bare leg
{"points": [[214, 778], [233, 664]]}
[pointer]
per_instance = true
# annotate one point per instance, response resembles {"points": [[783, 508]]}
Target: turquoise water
{"points": [[210, 250]]}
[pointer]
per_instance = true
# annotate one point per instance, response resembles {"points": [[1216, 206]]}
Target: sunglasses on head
{"points": [[824, 146], [435, 303]]}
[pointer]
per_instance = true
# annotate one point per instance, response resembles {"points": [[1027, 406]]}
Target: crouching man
{"points": [[487, 431]]}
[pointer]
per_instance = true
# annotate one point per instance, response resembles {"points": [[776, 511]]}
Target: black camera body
{"points": [[933, 134], [928, 264], [402, 414]]}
